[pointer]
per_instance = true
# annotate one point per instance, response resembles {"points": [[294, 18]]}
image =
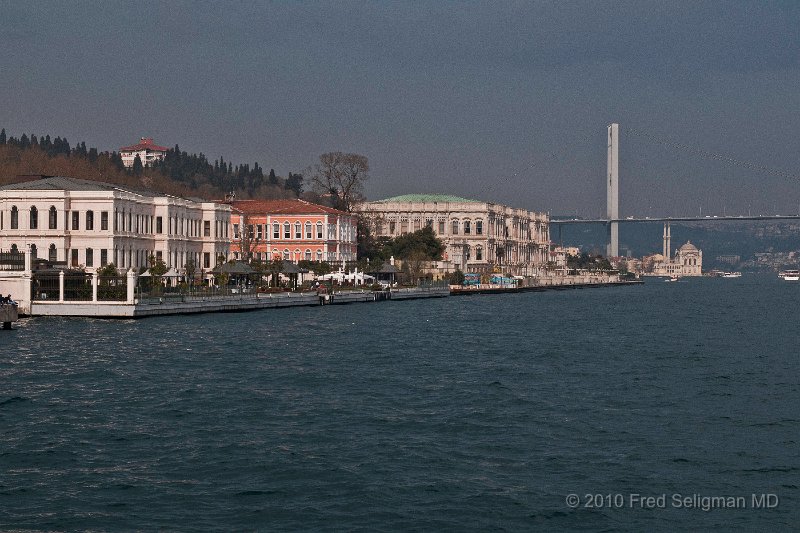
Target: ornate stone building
{"points": [[479, 236], [688, 260], [90, 224]]}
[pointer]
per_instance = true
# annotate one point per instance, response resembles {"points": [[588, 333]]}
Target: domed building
{"points": [[690, 260]]}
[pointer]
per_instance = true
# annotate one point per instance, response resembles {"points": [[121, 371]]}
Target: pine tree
{"points": [[273, 179], [3, 136], [137, 166]]}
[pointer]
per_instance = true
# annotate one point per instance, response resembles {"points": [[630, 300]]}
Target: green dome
{"points": [[430, 198]]}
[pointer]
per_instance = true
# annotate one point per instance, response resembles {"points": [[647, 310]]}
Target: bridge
{"points": [[613, 220]]}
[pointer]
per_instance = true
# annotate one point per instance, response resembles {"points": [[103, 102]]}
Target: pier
{"points": [[8, 314]]}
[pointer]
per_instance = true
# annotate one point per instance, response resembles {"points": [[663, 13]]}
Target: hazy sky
{"points": [[502, 101]]}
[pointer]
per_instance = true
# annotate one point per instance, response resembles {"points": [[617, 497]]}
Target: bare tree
{"points": [[341, 176]]}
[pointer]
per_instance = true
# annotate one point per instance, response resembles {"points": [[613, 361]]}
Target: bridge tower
{"points": [[612, 190]]}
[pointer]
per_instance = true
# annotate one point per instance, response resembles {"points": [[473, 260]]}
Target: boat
{"points": [[790, 275], [672, 278], [732, 275]]}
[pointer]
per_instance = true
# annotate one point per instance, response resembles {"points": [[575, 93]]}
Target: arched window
{"points": [[479, 227], [319, 230], [52, 254], [52, 218], [455, 227], [297, 255], [34, 217], [14, 217], [478, 252], [13, 247], [34, 252], [467, 227], [319, 255], [298, 231], [287, 230], [308, 230], [308, 255], [286, 255]]}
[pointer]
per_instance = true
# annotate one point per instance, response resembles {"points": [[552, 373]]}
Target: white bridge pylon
{"points": [[612, 191]]}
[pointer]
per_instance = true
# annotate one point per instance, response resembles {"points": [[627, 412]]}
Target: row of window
{"points": [[122, 222], [289, 231], [457, 226]]}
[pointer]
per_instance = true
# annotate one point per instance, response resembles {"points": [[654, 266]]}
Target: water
{"points": [[469, 413]]}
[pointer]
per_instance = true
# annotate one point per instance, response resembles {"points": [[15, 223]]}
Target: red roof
{"points": [[283, 207], [146, 143]]}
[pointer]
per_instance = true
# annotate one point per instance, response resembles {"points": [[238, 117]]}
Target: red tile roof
{"points": [[146, 143], [283, 207]]}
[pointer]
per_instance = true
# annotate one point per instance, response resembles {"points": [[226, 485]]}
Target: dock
{"points": [[8, 315]]}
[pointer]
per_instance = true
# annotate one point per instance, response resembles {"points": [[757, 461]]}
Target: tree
{"points": [[190, 269], [423, 241], [138, 168], [341, 176], [157, 269], [3, 136], [294, 183], [273, 179]]}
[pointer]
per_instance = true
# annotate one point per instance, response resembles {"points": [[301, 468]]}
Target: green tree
{"points": [[3, 136], [294, 183], [423, 241], [138, 168], [157, 269]]}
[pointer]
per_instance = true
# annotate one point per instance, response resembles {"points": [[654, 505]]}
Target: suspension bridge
{"points": [[613, 219]]}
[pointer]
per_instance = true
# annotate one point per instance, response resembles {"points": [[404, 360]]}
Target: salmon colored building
{"points": [[293, 230]]}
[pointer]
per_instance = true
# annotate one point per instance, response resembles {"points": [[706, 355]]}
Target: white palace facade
{"points": [[479, 236], [89, 224]]}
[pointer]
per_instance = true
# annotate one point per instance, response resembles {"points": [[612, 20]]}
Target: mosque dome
{"points": [[688, 248]]}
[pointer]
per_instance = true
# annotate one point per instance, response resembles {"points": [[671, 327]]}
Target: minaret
{"points": [[612, 191]]}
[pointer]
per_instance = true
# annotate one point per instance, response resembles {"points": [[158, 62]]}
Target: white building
{"points": [[147, 151], [479, 236], [688, 260], [90, 224]]}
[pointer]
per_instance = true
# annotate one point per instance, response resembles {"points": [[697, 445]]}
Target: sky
{"points": [[499, 101]]}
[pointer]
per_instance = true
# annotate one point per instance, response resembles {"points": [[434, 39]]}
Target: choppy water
{"points": [[470, 413]]}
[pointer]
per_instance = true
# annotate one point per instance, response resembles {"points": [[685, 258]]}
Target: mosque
{"points": [[688, 260]]}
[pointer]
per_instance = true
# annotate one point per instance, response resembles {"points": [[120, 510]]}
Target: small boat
{"points": [[672, 278], [732, 275], [790, 275]]}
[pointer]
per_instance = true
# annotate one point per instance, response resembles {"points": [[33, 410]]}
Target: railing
{"points": [[12, 261], [45, 287], [112, 288]]}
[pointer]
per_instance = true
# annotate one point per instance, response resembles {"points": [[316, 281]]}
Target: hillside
{"points": [[180, 174]]}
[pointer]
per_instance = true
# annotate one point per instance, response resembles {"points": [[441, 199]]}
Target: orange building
{"points": [[294, 230]]}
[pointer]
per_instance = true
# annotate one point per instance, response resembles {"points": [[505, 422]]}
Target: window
{"points": [[14, 217], [392, 227], [479, 227], [250, 231], [276, 231], [236, 231], [52, 254], [34, 217], [89, 221], [298, 232], [159, 225], [34, 252], [403, 226], [319, 255], [76, 221], [89, 257], [286, 255], [467, 227], [104, 220], [308, 255], [74, 257], [478, 250], [52, 218], [319, 230], [103, 257], [455, 227], [308, 230], [287, 231], [260, 232], [206, 259]]}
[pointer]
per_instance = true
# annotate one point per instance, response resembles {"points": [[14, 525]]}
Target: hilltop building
{"points": [[90, 224], [293, 230], [146, 149], [479, 236]]}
